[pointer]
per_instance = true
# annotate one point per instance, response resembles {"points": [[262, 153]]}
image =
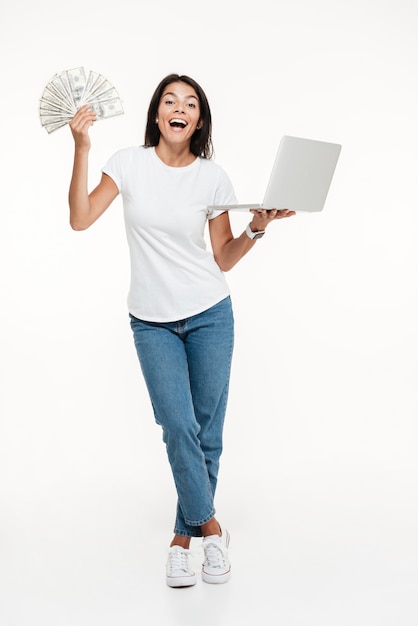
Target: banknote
{"points": [[71, 89], [107, 108], [77, 83]]}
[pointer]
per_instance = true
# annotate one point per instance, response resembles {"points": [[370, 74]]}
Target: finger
{"points": [[81, 112], [285, 213], [82, 120], [84, 111]]}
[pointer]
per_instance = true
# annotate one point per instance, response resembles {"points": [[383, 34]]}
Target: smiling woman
{"points": [[181, 100], [179, 303], [178, 118]]}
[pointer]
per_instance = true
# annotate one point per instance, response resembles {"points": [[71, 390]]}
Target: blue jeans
{"points": [[186, 366]]}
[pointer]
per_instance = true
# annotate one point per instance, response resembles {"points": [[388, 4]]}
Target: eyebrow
{"points": [[171, 93]]}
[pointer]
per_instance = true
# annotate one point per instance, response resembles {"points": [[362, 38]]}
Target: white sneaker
{"points": [[216, 567], [178, 571]]}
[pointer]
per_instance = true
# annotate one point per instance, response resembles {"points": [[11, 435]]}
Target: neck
{"points": [[175, 156]]}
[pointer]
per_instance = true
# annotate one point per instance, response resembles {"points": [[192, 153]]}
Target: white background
{"points": [[319, 475]]}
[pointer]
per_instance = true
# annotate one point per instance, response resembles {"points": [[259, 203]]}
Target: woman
{"points": [[179, 304]]}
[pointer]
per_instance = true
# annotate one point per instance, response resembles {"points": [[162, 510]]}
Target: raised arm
{"points": [[85, 208], [228, 250]]}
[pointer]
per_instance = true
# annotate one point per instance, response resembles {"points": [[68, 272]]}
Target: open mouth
{"points": [[178, 123]]}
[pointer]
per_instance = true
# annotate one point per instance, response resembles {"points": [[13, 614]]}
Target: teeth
{"points": [[178, 121]]}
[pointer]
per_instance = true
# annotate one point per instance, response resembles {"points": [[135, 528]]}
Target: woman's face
{"points": [[178, 113]]}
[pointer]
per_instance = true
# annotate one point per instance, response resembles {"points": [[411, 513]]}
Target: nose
{"points": [[179, 108]]}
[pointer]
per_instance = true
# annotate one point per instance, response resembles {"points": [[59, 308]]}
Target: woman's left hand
{"points": [[263, 217]]}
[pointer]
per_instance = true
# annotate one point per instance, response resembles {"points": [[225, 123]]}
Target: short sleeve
{"points": [[224, 194], [113, 168]]}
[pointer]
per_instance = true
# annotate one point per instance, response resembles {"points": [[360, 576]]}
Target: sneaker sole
{"points": [[216, 580], [187, 581]]}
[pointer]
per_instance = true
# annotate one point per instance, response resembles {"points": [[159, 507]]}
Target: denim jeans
{"points": [[186, 366]]}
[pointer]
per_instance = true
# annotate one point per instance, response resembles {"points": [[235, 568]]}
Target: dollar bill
{"points": [[107, 108], [54, 126], [46, 104], [77, 83]]}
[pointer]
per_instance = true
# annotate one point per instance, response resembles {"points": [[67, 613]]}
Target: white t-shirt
{"points": [[173, 275]]}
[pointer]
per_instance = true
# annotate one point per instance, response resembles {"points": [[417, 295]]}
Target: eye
{"points": [[191, 105], [169, 102]]}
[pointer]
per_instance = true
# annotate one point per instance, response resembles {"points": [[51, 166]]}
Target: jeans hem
{"points": [[200, 522], [195, 530], [187, 533]]}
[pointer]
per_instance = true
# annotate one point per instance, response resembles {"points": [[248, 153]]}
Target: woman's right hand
{"points": [[80, 124]]}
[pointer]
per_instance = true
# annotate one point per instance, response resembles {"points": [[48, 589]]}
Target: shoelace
{"points": [[179, 560], [215, 554]]}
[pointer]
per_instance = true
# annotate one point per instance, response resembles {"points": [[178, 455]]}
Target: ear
{"points": [[199, 125]]}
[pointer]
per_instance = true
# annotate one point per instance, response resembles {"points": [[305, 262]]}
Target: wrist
{"points": [[252, 233], [80, 150]]}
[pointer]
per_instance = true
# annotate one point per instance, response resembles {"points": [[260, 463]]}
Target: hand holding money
{"points": [[80, 125], [70, 91]]}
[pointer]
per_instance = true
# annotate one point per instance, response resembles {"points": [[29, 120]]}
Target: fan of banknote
{"points": [[70, 90]]}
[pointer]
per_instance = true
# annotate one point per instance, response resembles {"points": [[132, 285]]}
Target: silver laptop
{"points": [[300, 178]]}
